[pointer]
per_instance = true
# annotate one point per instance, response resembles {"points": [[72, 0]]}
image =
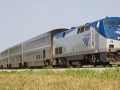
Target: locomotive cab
{"points": [[112, 33]]}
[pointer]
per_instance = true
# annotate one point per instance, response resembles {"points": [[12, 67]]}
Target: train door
{"points": [[95, 43], [92, 39], [95, 36], [44, 54]]}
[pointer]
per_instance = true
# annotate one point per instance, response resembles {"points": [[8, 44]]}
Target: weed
{"points": [[61, 80]]}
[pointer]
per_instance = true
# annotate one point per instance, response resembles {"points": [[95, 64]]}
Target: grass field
{"points": [[56, 80]]}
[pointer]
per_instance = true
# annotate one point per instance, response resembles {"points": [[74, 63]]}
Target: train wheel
{"points": [[110, 65], [103, 64], [47, 63], [10, 66], [64, 63], [7, 66], [20, 65], [119, 65], [25, 65], [94, 65]]}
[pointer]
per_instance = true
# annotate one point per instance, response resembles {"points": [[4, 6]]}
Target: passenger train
{"points": [[96, 43]]}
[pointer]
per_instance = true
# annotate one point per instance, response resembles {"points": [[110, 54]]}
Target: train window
{"points": [[30, 44], [109, 23], [41, 56], [47, 38], [87, 28], [60, 50], [78, 31], [119, 24], [63, 34], [56, 50], [82, 29], [37, 57], [27, 45], [44, 39], [33, 43], [39, 41]]}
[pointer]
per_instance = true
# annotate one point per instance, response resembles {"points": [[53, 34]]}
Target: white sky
{"points": [[21, 20]]}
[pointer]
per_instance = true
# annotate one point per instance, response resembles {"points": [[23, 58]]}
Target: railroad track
{"points": [[61, 69]]}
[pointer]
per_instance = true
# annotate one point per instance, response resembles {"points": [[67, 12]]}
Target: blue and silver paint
{"points": [[86, 39]]}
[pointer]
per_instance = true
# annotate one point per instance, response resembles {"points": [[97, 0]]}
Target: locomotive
{"points": [[95, 43]]}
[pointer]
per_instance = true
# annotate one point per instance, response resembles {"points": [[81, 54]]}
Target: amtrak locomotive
{"points": [[96, 43], [93, 43]]}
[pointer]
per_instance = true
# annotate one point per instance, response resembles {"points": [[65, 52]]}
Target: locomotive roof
{"points": [[60, 35]]}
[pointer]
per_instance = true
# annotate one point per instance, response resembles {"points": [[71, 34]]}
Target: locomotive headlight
{"points": [[119, 37]]}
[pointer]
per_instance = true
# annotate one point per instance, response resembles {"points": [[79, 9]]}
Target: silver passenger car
{"points": [[15, 56], [38, 50], [34, 52], [4, 59]]}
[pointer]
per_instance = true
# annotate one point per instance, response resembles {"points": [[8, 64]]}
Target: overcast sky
{"points": [[21, 20]]}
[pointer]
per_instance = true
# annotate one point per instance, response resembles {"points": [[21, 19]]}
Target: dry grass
{"points": [[67, 80]]}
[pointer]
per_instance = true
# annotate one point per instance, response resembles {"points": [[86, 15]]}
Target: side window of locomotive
{"points": [[87, 28], [82, 29], [63, 34], [60, 50], [119, 24], [56, 50], [110, 23], [78, 31]]}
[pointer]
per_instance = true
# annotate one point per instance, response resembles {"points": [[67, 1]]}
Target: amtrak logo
{"points": [[86, 39]]}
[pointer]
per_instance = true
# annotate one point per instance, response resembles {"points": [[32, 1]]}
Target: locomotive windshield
{"points": [[109, 23], [112, 28]]}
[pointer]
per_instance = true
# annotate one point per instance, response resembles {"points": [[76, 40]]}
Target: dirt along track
{"points": [[62, 69]]}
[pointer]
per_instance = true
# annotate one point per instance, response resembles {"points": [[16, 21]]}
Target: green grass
{"points": [[108, 79]]}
